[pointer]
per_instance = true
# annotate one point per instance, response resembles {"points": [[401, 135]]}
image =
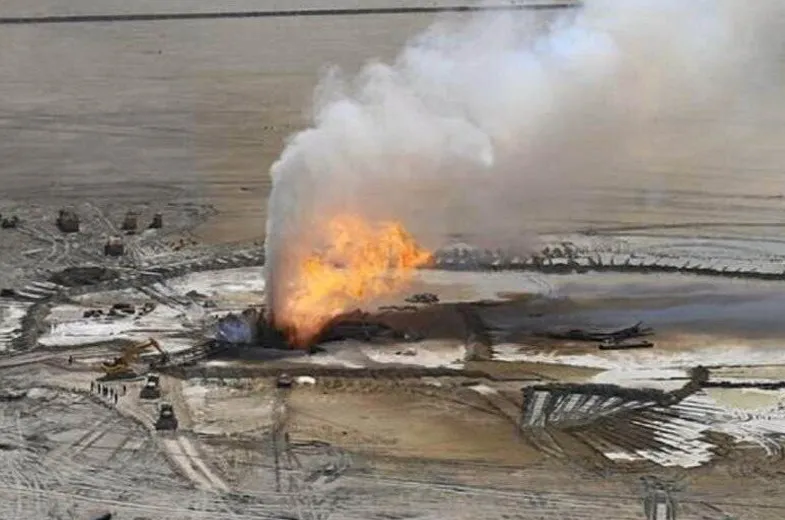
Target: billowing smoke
{"points": [[489, 127]]}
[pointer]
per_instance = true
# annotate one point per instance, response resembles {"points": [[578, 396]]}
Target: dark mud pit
{"points": [[80, 276]]}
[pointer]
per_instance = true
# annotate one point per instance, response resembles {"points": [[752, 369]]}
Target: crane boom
{"points": [[121, 366]]}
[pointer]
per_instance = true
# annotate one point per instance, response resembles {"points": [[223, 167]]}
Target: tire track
{"points": [[121, 447], [178, 447], [53, 407], [132, 249], [212, 508], [197, 461], [62, 464], [16, 465], [75, 474], [302, 497], [188, 460], [69, 449], [38, 234]]}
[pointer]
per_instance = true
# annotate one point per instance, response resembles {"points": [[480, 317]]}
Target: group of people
{"points": [[107, 392]]}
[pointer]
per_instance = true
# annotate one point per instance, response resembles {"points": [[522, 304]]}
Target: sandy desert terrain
{"points": [[480, 417]]}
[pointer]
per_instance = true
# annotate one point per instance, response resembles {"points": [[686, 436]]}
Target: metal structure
{"points": [[659, 506], [658, 500], [120, 367]]}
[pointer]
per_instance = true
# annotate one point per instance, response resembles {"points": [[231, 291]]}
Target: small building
{"points": [[68, 221], [130, 222], [114, 247]]}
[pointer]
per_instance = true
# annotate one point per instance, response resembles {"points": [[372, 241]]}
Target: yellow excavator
{"points": [[120, 367]]}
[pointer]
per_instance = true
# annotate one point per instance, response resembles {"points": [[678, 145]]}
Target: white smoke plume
{"points": [[485, 123]]}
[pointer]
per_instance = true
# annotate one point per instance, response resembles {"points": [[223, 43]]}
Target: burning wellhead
{"points": [[356, 262], [491, 127]]}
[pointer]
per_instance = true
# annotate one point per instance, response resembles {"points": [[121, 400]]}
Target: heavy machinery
{"points": [[166, 418], [68, 221], [284, 381], [120, 367], [114, 247], [151, 388], [130, 222], [9, 222]]}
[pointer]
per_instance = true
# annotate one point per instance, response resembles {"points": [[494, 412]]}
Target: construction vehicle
{"points": [[166, 418], [9, 222], [68, 221], [130, 222], [284, 381], [151, 388], [158, 221], [114, 247], [120, 367]]}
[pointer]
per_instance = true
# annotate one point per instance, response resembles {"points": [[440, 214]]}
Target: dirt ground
{"points": [[406, 423], [199, 110], [139, 112], [186, 118]]}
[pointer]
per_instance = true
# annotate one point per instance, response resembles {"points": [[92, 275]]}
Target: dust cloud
{"points": [[482, 116]]}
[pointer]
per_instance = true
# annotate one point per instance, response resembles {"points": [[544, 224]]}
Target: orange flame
{"points": [[361, 261]]}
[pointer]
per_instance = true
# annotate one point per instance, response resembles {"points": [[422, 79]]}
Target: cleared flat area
{"points": [[49, 8], [169, 110], [201, 109]]}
